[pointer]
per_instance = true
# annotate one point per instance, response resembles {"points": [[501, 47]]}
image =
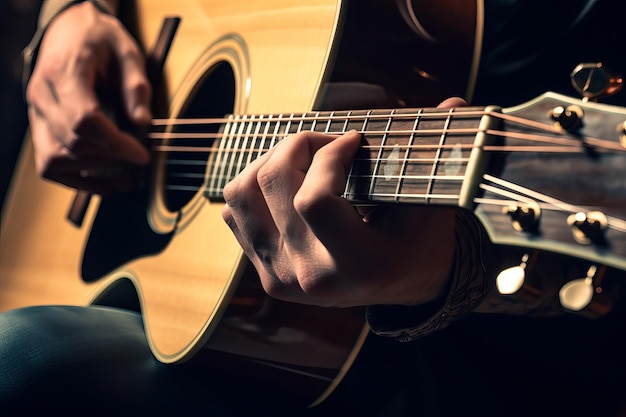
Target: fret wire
{"points": [[345, 122], [442, 140], [328, 123], [255, 139], [217, 165], [407, 152], [366, 120], [288, 126], [351, 170], [276, 130], [314, 122], [244, 147], [380, 151], [263, 138], [301, 123], [235, 161], [228, 166]]}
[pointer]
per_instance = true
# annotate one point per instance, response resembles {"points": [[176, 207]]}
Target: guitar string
{"points": [[579, 142], [569, 145], [515, 192], [575, 147], [315, 117]]}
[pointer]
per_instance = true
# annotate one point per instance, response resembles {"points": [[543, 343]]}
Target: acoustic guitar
{"points": [[239, 77]]}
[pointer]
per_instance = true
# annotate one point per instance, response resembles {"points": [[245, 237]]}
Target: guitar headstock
{"points": [[561, 186]]}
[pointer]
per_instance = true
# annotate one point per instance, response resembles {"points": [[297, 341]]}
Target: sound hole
{"points": [[213, 96]]}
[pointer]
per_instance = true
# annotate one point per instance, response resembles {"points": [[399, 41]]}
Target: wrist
{"points": [[465, 289], [50, 9]]}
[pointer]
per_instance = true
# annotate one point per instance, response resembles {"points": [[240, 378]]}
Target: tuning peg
{"points": [[567, 118], [524, 217], [582, 296], [588, 227], [594, 80], [513, 281]]}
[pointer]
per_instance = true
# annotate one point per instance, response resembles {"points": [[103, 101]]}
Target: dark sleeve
{"points": [[468, 286]]}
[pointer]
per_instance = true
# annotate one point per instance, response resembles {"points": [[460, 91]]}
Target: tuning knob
{"points": [[594, 80], [588, 227], [567, 118], [585, 295], [513, 281], [525, 218]]}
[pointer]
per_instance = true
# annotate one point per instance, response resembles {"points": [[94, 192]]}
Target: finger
{"points": [[320, 200], [452, 102], [102, 137], [281, 177], [248, 216], [136, 89]]}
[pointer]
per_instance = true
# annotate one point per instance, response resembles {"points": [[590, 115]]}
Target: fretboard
{"points": [[417, 156]]}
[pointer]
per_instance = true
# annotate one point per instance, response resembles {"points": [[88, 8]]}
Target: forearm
{"points": [[51, 8]]}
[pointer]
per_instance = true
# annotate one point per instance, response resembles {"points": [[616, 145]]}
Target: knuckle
{"points": [[272, 287], [139, 86], [227, 216], [131, 53], [314, 286], [269, 179], [307, 204], [32, 90], [231, 192], [304, 202]]}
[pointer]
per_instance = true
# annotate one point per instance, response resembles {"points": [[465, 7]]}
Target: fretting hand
{"points": [[312, 246]]}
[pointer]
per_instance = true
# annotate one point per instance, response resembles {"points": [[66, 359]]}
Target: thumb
{"points": [[136, 89], [136, 93]]}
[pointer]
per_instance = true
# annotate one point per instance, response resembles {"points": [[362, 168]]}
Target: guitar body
{"points": [[194, 286]]}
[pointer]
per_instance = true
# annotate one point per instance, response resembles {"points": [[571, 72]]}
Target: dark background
{"points": [[17, 25]]}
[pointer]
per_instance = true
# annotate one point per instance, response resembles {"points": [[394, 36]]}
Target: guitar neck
{"points": [[418, 156]]}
